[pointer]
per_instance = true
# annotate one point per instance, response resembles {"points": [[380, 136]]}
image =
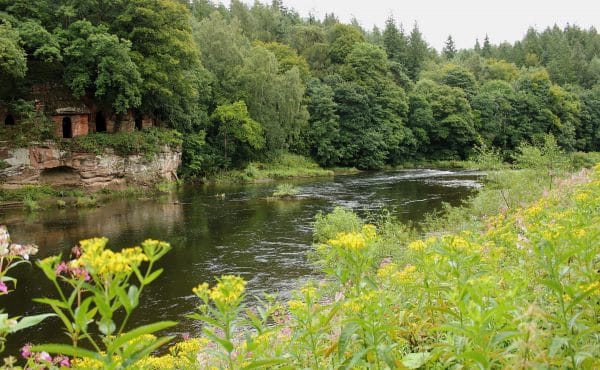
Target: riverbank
{"points": [[514, 268], [284, 166], [38, 197]]}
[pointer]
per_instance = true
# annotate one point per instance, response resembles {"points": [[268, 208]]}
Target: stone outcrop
{"points": [[48, 164]]}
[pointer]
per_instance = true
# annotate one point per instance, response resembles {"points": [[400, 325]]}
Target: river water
{"points": [[242, 233]]}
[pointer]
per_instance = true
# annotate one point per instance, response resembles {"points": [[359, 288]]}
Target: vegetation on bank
{"points": [[37, 197], [507, 280], [282, 166], [147, 142]]}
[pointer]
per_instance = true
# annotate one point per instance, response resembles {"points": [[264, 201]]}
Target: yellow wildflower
{"points": [[417, 245], [352, 241], [352, 306], [582, 197], [295, 305], [387, 270], [369, 231], [228, 291], [406, 275]]}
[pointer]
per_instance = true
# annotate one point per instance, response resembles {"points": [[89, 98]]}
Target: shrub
{"points": [[340, 220], [285, 190]]}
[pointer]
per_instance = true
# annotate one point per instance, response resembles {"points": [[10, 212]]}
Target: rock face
{"points": [[47, 164]]}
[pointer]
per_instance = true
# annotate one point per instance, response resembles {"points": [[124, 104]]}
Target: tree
{"points": [[167, 58], [324, 125], [449, 50], [493, 109], [240, 134], [287, 58], [342, 39], [395, 42], [305, 36], [223, 49], [13, 61], [444, 114], [274, 99], [99, 64], [588, 131], [38, 42], [417, 53], [457, 76], [486, 50], [494, 69], [372, 110]]}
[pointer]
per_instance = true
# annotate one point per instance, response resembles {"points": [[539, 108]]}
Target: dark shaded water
{"points": [[266, 242]]}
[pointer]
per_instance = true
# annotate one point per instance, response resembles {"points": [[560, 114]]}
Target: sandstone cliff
{"points": [[47, 164]]}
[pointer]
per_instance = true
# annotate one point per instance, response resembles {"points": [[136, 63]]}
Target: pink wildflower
{"points": [[3, 288], [26, 351], [44, 356], [62, 267], [76, 251], [80, 273], [63, 361], [185, 336]]}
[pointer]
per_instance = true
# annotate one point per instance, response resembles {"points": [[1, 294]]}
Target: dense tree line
{"points": [[247, 82]]}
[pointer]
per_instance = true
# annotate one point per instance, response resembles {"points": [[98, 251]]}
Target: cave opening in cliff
{"points": [[9, 120], [67, 128], [61, 175], [100, 122], [138, 124]]}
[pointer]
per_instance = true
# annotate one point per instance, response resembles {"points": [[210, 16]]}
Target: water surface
{"points": [[241, 233]]}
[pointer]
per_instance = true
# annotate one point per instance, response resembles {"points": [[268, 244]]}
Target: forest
{"points": [[245, 83]]}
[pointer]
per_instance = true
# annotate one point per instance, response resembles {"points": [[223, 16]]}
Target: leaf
{"points": [[345, 336], [133, 294], [137, 332], [265, 363], [82, 313], [133, 358], [478, 357], [349, 363], [152, 276], [223, 342], [51, 302], [416, 360], [30, 321], [67, 350], [107, 326]]}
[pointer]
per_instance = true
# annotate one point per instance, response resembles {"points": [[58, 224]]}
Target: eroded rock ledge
{"points": [[45, 163]]}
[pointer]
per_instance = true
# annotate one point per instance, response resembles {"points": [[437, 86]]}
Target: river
{"points": [[242, 232]]}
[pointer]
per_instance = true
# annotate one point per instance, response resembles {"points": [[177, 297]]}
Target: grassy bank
{"points": [[284, 166], [38, 197]]}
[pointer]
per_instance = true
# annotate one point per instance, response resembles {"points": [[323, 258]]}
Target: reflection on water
{"points": [[264, 241]]}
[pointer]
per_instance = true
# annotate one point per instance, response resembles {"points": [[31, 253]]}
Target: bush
{"points": [[147, 142], [285, 190], [340, 220]]}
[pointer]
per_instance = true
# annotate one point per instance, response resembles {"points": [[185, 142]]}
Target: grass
{"points": [[284, 166], [147, 142], [285, 191], [36, 197]]}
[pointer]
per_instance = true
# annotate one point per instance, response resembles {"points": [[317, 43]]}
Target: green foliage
{"points": [[147, 142], [282, 166], [91, 290], [12, 255], [99, 61], [285, 190], [340, 220], [239, 133], [13, 60], [30, 205]]}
